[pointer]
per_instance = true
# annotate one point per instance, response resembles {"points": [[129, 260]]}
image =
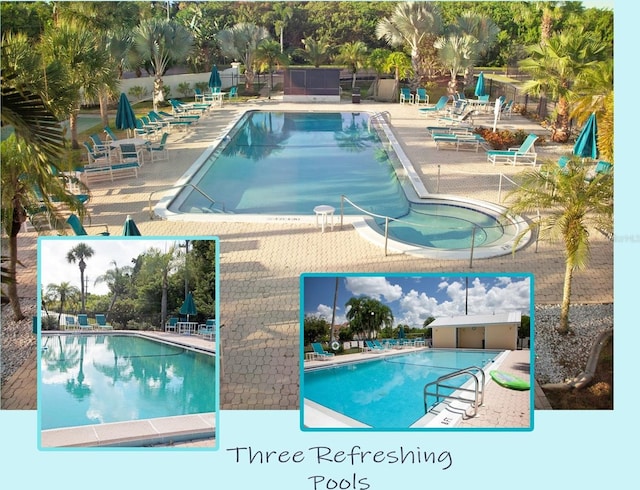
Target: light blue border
{"points": [[89, 238], [422, 274]]}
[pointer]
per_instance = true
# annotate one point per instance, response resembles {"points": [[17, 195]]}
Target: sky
{"points": [[414, 298], [55, 269]]}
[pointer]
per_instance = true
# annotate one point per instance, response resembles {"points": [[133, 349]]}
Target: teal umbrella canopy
{"points": [[480, 85], [188, 308], [401, 332], [125, 117], [130, 228], [587, 143], [214, 78]]}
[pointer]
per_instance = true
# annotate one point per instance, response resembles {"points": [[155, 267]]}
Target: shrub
{"points": [[184, 89], [137, 92]]}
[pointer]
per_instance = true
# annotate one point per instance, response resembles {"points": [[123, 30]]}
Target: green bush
{"points": [[184, 89], [137, 92]]}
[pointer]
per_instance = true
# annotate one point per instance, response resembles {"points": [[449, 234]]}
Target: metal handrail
{"points": [[478, 390], [182, 186]]}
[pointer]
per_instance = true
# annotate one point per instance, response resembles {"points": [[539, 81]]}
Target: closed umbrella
{"points": [[188, 308], [125, 117], [480, 85], [130, 228], [587, 143], [214, 78]]}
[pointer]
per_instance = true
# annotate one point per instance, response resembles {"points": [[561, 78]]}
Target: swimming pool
{"points": [[387, 393], [278, 166], [99, 379]]}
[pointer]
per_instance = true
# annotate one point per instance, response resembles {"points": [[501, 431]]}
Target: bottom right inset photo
{"points": [[417, 351]]}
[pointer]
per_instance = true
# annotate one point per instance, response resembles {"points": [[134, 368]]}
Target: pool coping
{"points": [[143, 432], [446, 415]]}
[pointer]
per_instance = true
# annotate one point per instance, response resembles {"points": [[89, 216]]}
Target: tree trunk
{"points": [[104, 103], [566, 299], [73, 129], [12, 286], [561, 127]]}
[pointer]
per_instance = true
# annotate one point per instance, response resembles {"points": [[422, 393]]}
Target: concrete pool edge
{"points": [[136, 433]]}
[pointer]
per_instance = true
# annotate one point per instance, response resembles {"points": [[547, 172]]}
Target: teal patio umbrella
{"points": [[214, 78], [130, 228], [188, 308], [480, 85], [125, 117], [587, 143]]}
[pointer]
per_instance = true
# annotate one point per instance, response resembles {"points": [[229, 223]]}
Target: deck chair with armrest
{"points": [[208, 329], [319, 351], [435, 109], [101, 322], [83, 322], [172, 324], [406, 95], [78, 228], [524, 154]]}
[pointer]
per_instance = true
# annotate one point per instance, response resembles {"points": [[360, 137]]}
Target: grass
{"points": [[597, 396]]}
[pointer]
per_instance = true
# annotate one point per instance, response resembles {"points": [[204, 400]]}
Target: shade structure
{"points": [[130, 228], [480, 85], [125, 117], [214, 78], [188, 308], [587, 143], [401, 332]]}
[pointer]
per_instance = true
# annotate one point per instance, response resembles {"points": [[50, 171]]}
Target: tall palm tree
{"points": [[354, 56], [268, 56], [240, 42], [63, 291], [29, 158], [554, 68], [78, 254], [484, 30], [457, 53], [410, 25], [89, 68], [367, 315], [117, 280], [400, 64], [161, 42], [571, 207], [284, 11]]}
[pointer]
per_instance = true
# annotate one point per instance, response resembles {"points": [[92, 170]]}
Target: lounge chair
{"points": [[406, 95], [601, 167], [320, 353], [379, 345], [524, 154], [421, 96], [78, 228], [455, 119], [459, 141], [101, 321], [70, 323], [371, 347], [507, 109], [435, 109], [208, 329], [172, 324], [83, 322]]}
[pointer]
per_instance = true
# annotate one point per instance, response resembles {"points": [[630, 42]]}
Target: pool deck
{"points": [[260, 263]]}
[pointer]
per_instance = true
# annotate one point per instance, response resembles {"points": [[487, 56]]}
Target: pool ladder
{"points": [[478, 390], [182, 186]]}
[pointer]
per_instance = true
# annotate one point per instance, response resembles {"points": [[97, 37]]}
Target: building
{"points": [[497, 331]]}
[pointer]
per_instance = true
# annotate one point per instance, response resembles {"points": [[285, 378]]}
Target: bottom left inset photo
{"points": [[128, 342]]}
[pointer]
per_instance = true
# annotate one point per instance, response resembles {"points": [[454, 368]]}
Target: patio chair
{"points": [[110, 134], [160, 152], [421, 96], [462, 119], [101, 321], [319, 351], [198, 96], [233, 93], [70, 323], [95, 156], [172, 324], [78, 228], [406, 95], [83, 322], [98, 144], [435, 109], [506, 109], [524, 154], [370, 346], [601, 167], [208, 329]]}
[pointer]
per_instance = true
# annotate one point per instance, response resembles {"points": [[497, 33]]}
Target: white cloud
{"points": [[375, 287]]}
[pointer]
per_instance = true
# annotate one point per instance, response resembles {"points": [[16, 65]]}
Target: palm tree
{"points": [[78, 254], [315, 51], [554, 68], [354, 56], [64, 291], [411, 24], [484, 30], [268, 56], [240, 42], [457, 53], [571, 206], [117, 280], [161, 42], [400, 64], [367, 315], [89, 68], [284, 11], [29, 158]]}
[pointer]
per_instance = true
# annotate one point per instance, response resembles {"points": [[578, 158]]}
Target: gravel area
{"points": [[17, 339], [558, 357], [562, 357]]}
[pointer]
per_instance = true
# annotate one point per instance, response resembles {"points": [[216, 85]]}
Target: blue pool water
{"points": [[387, 393], [96, 379]]}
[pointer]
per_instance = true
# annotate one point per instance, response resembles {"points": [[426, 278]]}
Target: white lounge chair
{"points": [[524, 154]]}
